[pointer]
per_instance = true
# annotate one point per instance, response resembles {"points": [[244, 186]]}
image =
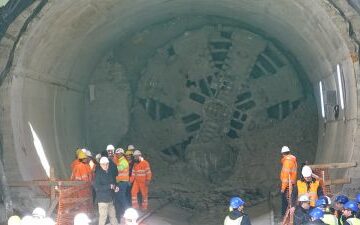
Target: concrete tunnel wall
{"points": [[55, 57]]}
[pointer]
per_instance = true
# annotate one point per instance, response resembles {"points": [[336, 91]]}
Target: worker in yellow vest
{"points": [[122, 181], [308, 185]]}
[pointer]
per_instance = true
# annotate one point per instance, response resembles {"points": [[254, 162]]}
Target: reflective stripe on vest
{"points": [[123, 175], [330, 219], [312, 192], [353, 221]]}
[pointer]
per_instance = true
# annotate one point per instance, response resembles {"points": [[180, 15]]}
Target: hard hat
{"points": [[77, 151], [119, 151], [352, 205], [316, 213], [327, 199], [47, 221], [306, 171], [285, 149], [104, 160], [82, 155], [131, 214], [358, 198], [14, 220], [110, 148], [84, 150], [98, 156], [81, 219], [342, 199], [39, 212], [129, 152], [26, 220], [236, 202], [321, 202], [131, 147], [304, 198], [88, 153], [136, 152]]}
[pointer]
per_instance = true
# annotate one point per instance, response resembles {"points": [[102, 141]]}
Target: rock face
{"points": [[207, 109]]}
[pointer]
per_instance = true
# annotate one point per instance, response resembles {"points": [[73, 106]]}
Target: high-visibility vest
{"points": [[353, 221], [330, 219], [289, 169], [123, 170], [312, 192], [141, 172], [82, 172]]}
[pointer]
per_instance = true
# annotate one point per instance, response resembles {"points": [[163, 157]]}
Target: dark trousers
{"points": [[121, 199], [284, 201]]}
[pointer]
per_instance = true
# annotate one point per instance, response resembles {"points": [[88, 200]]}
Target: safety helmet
{"points": [[129, 152], [316, 213], [131, 147], [321, 202], [14, 220], [341, 199], [77, 151], [110, 148], [119, 151], [327, 199], [236, 202], [104, 160], [304, 198], [81, 219], [39, 212], [352, 205], [26, 220], [82, 155], [131, 214], [358, 198], [84, 150], [137, 152], [88, 153], [306, 171], [285, 149]]}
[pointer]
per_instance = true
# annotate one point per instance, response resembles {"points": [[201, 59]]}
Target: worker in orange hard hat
{"points": [[82, 170], [287, 175], [140, 178]]}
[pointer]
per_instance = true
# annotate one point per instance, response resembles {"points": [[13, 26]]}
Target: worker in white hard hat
{"points": [[81, 219], [301, 215], [14, 220], [110, 150], [287, 175], [307, 185], [105, 186], [131, 216], [140, 178]]}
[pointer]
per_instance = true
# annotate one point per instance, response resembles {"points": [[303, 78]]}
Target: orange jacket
{"points": [[141, 172], [289, 168], [74, 163], [82, 171]]}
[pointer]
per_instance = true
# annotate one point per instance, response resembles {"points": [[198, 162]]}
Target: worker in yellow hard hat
{"points": [[76, 160], [82, 170]]}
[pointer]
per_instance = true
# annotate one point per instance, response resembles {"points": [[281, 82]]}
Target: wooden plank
{"points": [[338, 181], [46, 183], [334, 165], [52, 188]]}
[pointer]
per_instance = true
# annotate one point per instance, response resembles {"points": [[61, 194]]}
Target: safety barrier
{"points": [[73, 200]]}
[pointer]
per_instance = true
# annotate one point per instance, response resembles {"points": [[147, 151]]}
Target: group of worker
{"points": [[117, 176], [308, 202]]}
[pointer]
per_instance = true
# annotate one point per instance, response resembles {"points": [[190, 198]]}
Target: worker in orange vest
{"points": [[82, 170], [140, 178], [76, 160], [287, 175]]}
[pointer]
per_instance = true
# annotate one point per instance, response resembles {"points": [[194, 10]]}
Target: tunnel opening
{"points": [[208, 91]]}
